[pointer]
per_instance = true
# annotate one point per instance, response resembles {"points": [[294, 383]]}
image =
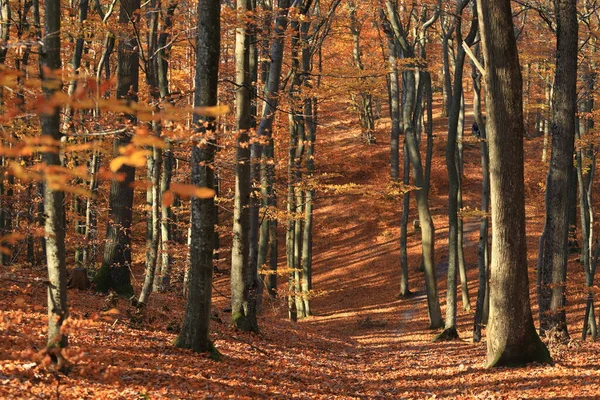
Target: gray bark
{"points": [[243, 272], [512, 338], [553, 252], [455, 96], [54, 198], [195, 330], [482, 248], [409, 98], [115, 270]]}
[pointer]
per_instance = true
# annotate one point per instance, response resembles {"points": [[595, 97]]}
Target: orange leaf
{"points": [[168, 198], [192, 191]]}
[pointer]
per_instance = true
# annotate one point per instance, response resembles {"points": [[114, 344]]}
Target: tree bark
{"points": [[243, 279], [554, 250], [54, 197], [115, 272], [409, 101], [512, 338], [195, 329], [482, 248]]}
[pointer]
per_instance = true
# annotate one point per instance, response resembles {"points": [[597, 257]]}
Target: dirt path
{"points": [[389, 349]]}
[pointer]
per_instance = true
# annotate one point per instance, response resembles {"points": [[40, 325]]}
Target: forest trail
{"points": [[361, 343], [356, 260]]}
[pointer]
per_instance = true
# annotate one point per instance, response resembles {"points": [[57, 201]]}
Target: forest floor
{"points": [[361, 343]]}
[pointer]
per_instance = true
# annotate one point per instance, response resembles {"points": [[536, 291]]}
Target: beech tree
{"points": [[410, 99], [194, 332], [554, 249], [54, 197], [511, 335], [244, 275], [116, 263]]}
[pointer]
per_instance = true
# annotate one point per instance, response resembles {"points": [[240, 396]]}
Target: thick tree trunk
{"points": [[554, 250], [512, 338]]}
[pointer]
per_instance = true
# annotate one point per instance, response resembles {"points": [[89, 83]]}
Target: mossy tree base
{"points": [[447, 335], [534, 352], [243, 323]]}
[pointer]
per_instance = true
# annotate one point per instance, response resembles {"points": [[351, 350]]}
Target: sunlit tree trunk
{"points": [[243, 276], [53, 196], [511, 336]]}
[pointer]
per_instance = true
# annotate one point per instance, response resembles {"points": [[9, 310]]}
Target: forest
{"points": [[328, 199]]}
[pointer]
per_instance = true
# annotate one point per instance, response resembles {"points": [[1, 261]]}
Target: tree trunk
{"points": [[194, 332], [410, 97], [554, 250], [243, 275], [115, 272], [482, 248], [455, 98], [53, 197], [166, 225], [512, 338]]}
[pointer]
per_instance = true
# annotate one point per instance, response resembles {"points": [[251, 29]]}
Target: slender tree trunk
{"points": [[482, 248], [512, 338], [195, 329], [166, 225], [455, 97], [409, 100], [365, 99], [53, 197], [243, 275], [116, 264], [264, 132]]}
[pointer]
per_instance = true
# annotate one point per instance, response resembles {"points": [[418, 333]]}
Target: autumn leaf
{"points": [[136, 159], [168, 198], [212, 111], [192, 191]]}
